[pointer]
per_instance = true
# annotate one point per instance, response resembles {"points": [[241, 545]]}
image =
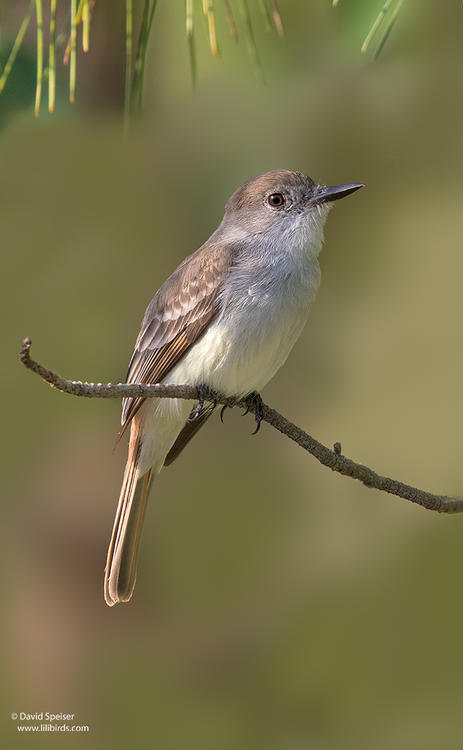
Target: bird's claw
{"points": [[254, 403], [204, 394]]}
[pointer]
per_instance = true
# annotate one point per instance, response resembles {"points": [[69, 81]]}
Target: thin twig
{"points": [[190, 39], [277, 19], [128, 63], [140, 57], [208, 9], [330, 458], [377, 22], [250, 38], [38, 87], [73, 54], [265, 15], [16, 46], [231, 21], [52, 58], [85, 25], [389, 28]]}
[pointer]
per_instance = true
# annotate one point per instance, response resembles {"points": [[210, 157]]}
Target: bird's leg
{"points": [[204, 394], [254, 403]]}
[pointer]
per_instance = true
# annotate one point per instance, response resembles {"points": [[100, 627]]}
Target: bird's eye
{"points": [[275, 200]]}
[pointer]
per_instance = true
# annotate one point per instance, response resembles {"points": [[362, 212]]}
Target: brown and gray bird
{"points": [[226, 319]]}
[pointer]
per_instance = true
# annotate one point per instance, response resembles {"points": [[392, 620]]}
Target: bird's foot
{"points": [[254, 403], [204, 394], [231, 402]]}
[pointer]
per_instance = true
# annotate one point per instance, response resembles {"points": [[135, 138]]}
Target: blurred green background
{"points": [[278, 606]]}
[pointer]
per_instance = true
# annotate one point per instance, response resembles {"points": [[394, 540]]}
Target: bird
{"points": [[225, 322]]}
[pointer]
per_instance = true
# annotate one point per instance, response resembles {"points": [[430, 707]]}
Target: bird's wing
{"points": [[176, 316], [187, 433]]}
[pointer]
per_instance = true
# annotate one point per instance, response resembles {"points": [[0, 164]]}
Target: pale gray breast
{"points": [[263, 313], [265, 290]]}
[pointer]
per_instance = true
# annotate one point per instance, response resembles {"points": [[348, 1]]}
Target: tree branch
{"points": [[330, 458]]}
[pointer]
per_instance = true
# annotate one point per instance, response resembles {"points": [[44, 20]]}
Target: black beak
{"points": [[334, 193]]}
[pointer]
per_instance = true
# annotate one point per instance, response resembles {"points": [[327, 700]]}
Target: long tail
{"points": [[121, 563]]}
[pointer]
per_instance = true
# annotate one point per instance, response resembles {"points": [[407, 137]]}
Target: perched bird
{"points": [[225, 321]]}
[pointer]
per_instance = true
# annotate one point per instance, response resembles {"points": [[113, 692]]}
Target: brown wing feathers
{"points": [[155, 364], [187, 433], [175, 318]]}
